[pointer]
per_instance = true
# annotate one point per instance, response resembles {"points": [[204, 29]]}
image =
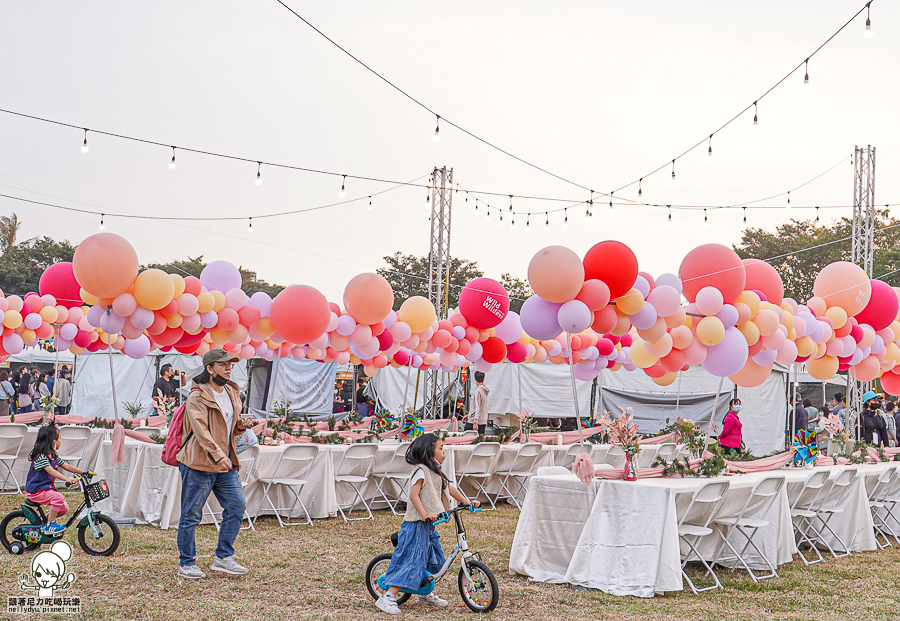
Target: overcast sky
{"points": [[598, 92]]}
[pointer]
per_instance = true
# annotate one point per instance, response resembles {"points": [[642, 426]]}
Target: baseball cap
{"points": [[217, 354]]}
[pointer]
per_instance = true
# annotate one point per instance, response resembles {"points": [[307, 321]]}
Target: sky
{"points": [[597, 92]]}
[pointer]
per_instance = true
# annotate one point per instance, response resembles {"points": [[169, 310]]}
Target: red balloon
{"points": [[656, 371], [614, 263], [385, 340], [59, 281], [188, 340], [170, 309], [401, 358], [594, 293], [300, 314], [516, 352], [604, 320], [484, 303], [190, 349], [493, 350], [82, 339], [169, 336], [882, 308], [713, 265], [762, 277], [891, 383], [248, 315], [192, 285], [673, 362]]}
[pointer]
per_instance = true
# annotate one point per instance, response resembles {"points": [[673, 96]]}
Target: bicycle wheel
{"points": [[106, 543], [481, 594], [8, 523], [377, 567]]}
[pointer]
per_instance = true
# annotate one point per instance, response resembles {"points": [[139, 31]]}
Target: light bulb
{"points": [[589, 218], [250, 227], [343, 187], [84, 146], [789, 199], [528, 223], [258, 179], [437, 131], [612, 210], [709, 153], [565, 223], [512, 224], [102, 226], [370, 202], [500, 222], [172, 163], [487, 213], [745, 214], [867, 33], [639, 187], [258, 173], [818, 222], [669, 221], [547, 223], [755, 116], [705, 220]]}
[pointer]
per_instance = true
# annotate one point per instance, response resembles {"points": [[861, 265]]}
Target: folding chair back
{"points": [[880, 506], [480, 460], [809, 496], [396, 465], [12, 435], [598, 453], [526, 457], [762, 496], [829, 507], [547, 471], [357, 460], [73, 440], [667, 451], [470, 432], [705, 504], [295, 462], [883, 484], [615, 456], [247, 460], [519, 471]]}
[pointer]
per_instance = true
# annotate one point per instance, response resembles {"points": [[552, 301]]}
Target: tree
{"points": [[826, 245], [192, 266], [518, 290], [9, 230], [408, 276], [22, 265]]}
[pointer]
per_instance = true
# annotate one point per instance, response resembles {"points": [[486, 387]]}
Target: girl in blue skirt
{"points": [[419, 545]]}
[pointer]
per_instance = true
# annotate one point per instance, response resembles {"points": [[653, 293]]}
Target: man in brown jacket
{"points": [[209, 463]]}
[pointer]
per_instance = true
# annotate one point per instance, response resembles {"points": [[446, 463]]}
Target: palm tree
{"points": [[9, 229]]}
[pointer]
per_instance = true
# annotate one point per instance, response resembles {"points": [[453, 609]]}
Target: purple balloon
{"points": [[93, 316], [142, 318], [574, 316], [509, 330], [220, 276], [459, 332], [346, 325], [728, 315], [765, 357], [68, 332], [669, 279], [483, 366], [263, 302], [111, 323], [644, 318], [585, 372], [13, 344], [540, 318], [390, 320], [61, 344], [137, 348], [475, 353], [33, 321], [642, 285], [209, 319], [729, 356]]}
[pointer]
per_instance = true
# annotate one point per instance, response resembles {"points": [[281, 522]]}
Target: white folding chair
{"points": [[804, 512], [248, 464], [572, 452], [647, 455], [477, 468], [877, 505], [12, 436], [598, 453], [150, 431], [396, 471], [615, 456], [73, 440], [547, 471], [667, 451], [470, 432], [829, 508], [761, 499], [694, 526], [291, 472], [518, 473], [358, 457]]}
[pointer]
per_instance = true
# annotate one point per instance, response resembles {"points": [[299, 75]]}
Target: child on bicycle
{"points": [[39, 486], [419, 545]]}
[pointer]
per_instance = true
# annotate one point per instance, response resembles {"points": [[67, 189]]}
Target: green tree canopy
{"points": [[23, 264], [518, 290], [408, 276]]}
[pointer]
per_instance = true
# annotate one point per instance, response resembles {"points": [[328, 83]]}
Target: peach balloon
{"points": [[767, 322], [631, 302], [837, 315], [205, 301], [817, 305], [418, 312], [655, 332], [154, 289], [750, 331], [843, 284], [751, 375], [105, 265], [219, 300], [710, 331], [681, 337], [368, 298], [623, 324], [751, 300], [867, 370], [640, 356], [556, 274], [660, 348], [666, 379]]}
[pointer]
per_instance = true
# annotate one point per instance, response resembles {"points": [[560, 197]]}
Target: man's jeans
{"points": [[195, 488]]}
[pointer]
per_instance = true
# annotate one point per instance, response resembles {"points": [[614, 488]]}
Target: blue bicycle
{"points": [[477, 584]]}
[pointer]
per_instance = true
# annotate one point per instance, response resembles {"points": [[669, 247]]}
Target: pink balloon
{"points": [[695, 353], [361, 334], [788, 353], [484, 303], [124, 304], [882, 308], [713, 265], [187, 304], [509, 330], [400, 331], [68, 331], [594, 293], [709, 302], [137, 348], [665, 299], [33, 321], [129, 331], [516, 352], [228, 319]]}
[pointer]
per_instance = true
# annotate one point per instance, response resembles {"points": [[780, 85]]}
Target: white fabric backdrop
{"points": [[307, 384]]}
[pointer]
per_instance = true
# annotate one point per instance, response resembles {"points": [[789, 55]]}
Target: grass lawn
{"points": [[317, 573]]}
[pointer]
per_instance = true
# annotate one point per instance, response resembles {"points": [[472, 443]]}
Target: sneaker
{"points": [[227, 566], [192, 572], [53, 528], [432, 600], [388, 603]]}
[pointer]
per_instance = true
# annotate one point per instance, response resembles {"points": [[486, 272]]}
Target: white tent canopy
{"points": [[36, 355]]}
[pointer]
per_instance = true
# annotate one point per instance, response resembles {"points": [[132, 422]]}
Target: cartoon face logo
{"points": [[48, 569]]}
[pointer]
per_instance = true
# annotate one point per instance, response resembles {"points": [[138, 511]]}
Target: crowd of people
{"points": [[878, 423], [21, 391]]}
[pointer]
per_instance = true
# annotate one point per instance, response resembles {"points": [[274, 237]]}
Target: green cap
{"points": [[217, 354]]}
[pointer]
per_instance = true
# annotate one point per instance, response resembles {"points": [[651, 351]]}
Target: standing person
{"points": [[62, 390], [51, 380], [890, 424], [363, 403], [43, 388], [837, 406], [812, 415], [346, 396], [478, 415], [801, 417], [874, 428], [25, 392], [419, 544], [209, 463], [7, 394], [167, 386], [730, 438]]}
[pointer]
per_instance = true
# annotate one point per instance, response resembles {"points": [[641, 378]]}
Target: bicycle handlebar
{"points": [[445, 516]]}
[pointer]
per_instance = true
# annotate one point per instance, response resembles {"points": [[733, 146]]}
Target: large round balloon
{"points": [[221, 276], [613, 263], [59, 281], [484, 303], [418, 312], [712, 265], [729, 356], [105, 265], [540, 318], [751, 375], [881, 311], [153, 289], [493, 350], [762, 277], [843, 284], [300, 314], [890, 382], [556, 274], [368, 298]]}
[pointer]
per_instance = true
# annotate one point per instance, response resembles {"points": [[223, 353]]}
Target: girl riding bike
{"points": [[419, 545], [39, 486]]}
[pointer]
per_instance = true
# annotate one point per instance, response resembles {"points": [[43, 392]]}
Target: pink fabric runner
{"points": [[117, 451], [28, 417], [669, 437], [761, 465], [134, 435]]}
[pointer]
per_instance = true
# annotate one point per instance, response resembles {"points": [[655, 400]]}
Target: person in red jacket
{"points": [[730, 438]]}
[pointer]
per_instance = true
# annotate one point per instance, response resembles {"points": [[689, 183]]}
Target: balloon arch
{"points": [[597, 312]]}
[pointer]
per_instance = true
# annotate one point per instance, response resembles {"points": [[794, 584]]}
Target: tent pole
{"points": [[112, 376], [575, 392], [272, 383], [519, 378], [712, 416], [406, 388], [793, 406], [600, 394], [678, 395]]}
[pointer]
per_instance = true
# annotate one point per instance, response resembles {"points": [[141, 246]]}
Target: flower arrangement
{"points": [[527, 424], [411, 426], [687, 432], [623, 432], [836, 431], [165, 405], [47, 403]]}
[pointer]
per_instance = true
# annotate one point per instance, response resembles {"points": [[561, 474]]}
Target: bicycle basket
{"points": [[97, 491]]}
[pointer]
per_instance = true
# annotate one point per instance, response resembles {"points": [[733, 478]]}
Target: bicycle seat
{"points": [[32, 503]]}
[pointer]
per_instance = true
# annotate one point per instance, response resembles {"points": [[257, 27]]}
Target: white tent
{"points": [[36, 355]]}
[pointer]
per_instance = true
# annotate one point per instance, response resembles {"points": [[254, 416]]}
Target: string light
{"points": [[476, 206], [102, 226], [258, 173], [745, 214], [427, 198], [755, 116], [500, 223], [510, 203], [669, 221], [709, 155], [639, 186], [527, 223], [565, 224], [817, 223], [547, 222], [344, 187], [487, 213], [250, 227], [867, 33], [806, 75], [84, 147], [789, 200], [512, 223], [172, 163], [370, 203], [705, 220], [467, 195], [674, 178], [437, 130], [612, 210]]}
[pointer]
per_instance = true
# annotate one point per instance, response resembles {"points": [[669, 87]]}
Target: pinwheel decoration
{"points": [[805, 449], [411, 426], [383, 418]]}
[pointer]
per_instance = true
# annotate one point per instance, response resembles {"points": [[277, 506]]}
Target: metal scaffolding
{"points": [[863, 252], [436, 382]]}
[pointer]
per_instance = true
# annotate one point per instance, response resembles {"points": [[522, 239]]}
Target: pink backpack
{"points": [[173, 443]]}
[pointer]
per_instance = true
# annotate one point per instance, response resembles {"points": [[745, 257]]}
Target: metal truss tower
{"points": [[439, 276], [863, 251]]}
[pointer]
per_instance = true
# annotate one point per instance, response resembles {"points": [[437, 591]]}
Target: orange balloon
{"points": [[556, 274], [710, 331], [154, 289], [418, 313], [751, 375], [750, 332], [823, 368], [844, 284], [105, 265], [368, 298], [631, 302]]}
